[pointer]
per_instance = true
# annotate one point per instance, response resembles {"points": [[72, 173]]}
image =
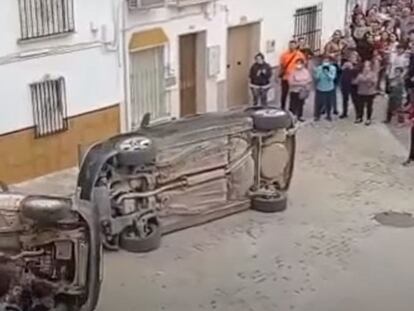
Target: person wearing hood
{"points": [[260, 75], [300, 82]]}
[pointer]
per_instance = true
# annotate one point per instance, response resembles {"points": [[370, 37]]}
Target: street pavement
{"points": [[325, 253]]}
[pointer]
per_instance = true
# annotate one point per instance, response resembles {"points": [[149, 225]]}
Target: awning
{"points": [[148, 38]]}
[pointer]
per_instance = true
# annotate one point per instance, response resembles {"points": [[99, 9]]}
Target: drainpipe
{"points": [[124, 106]]}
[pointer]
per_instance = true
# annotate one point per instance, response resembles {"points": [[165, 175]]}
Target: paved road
{"points": [[324, 253]]}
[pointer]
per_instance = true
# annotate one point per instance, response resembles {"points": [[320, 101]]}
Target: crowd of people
{"points": [[373, 57]]}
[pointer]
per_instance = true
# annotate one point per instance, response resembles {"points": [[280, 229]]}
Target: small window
{"points": [[43, 18], [49, 107], [308, 25]]}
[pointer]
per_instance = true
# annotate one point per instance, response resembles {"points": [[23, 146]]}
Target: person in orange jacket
{"points": [[288, 62]]}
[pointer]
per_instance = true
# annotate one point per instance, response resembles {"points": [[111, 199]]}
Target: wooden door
{"points": [[238, 65], [188, 85]]}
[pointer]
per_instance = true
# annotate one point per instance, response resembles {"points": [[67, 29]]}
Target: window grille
{"points": [[43, 18], [308, 25], [49, 107]]}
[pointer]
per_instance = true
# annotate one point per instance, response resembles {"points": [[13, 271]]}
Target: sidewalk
{"points": [[61, 183]]}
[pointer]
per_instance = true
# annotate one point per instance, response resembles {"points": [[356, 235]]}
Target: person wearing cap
{"points": [[260, 75]]}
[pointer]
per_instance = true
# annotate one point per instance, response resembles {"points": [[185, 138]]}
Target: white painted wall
{"points": [[92, 72], [278, 24]]}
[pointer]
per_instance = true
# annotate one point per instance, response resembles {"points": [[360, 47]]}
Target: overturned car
{"points": [[181, 173], [50, 253]]}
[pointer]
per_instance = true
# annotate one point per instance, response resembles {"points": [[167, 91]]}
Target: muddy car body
{"points": [[50, 253], [185, 172]]}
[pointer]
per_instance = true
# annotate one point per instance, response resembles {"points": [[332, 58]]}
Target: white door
{"points": [[147, 85]]}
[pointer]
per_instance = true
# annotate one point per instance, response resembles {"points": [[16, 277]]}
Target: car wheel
{"points": [[3, 187], [136, 151], [130, 242], [45, 209], [271, 118], [269, 203]]}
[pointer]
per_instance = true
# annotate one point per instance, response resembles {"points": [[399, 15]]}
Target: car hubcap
{"points": [[135, 144]]}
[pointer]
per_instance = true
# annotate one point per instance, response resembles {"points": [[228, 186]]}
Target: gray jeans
{"points": [[259, 96]]}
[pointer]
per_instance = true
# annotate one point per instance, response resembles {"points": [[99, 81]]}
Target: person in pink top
{"points": [[300, 82]]}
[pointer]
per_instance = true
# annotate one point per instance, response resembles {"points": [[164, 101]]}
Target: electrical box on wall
{"points": [[213, 60], [270, 46]]}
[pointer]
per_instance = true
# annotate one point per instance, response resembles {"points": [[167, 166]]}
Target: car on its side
{"points": [[50, 253], [173, 175]]}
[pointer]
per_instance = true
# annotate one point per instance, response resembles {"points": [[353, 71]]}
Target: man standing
{"points": [[287, 65], [305, 49], [334, 49], [398, 59], [260, 74], [325, 76]]}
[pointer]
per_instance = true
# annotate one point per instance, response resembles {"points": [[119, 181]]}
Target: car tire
{"points": [[269, 204], [46, 209], [271, 118], [3, 187], [136, 151], [132, 243]]}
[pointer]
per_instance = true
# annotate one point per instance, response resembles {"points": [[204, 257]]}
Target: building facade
{"points": [[60, 82], [197, 53], [73, 72]]}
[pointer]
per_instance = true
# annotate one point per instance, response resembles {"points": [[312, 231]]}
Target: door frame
{"points": [[255, 47], [200, 70]]}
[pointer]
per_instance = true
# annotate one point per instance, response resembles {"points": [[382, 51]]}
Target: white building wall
{"points": [[176, 23], [277, 24], [92, 66], [87, 59]]}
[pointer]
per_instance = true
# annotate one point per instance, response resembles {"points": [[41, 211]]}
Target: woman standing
{"points": [[300, 82], [366, 82], [350, 71]]}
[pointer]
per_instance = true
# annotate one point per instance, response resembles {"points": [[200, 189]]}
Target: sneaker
{"points": [[368, 122], [301, 119], [343, 116], [358, 121]]}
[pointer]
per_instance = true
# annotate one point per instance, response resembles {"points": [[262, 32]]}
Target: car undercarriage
{"points": [[183, 173], [50, 254]]}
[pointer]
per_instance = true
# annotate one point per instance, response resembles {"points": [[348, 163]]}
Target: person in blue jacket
{"points": [[324, 75]]}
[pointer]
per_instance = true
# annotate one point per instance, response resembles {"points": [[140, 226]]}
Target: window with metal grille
{"points": [[43, 18], [49, 107], [308, 25]]}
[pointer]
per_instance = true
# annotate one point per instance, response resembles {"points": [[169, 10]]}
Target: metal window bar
{"points": [[308, 25], [147, 82], [49, 107], [43, 18]]}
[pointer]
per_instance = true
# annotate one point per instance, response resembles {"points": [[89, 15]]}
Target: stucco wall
{"points": [[277, 24], [92, 72]]}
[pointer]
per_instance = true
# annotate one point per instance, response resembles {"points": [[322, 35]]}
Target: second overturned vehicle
{"points": [[50, 253], [173, 175]]}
